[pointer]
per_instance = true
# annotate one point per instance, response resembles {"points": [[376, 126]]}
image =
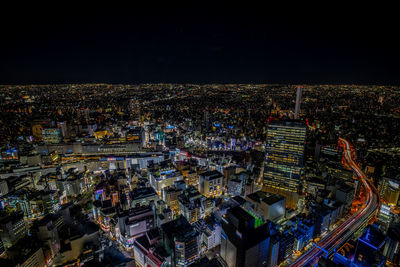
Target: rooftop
{"points": [[272, 199], [211, 174], [23, 249], [373, 237], [240, 214], [258, 196], [139, 193], [176, 227]]}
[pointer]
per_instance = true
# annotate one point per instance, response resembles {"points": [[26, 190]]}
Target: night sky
{"points": [[199, 45]]}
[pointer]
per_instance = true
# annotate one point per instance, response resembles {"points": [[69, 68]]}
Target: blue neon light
{"points": [[372, 246], [321, 249]]}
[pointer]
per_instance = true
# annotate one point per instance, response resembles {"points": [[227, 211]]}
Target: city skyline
{"points": [[199, 136], [187, 174]]}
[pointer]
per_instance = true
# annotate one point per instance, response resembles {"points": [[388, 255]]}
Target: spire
{"points": [[298, 102]]}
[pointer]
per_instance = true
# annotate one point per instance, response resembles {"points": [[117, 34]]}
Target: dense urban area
{"points": [[199, 175]]}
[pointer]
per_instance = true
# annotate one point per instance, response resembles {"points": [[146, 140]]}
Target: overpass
{"points": [[354, 223]]}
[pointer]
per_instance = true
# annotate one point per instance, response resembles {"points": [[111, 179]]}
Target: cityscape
{"points": [[199, 175], [195, 135]]}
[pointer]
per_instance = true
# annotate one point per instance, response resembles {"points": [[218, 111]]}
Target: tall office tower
{"points": [[298, 102], [369, 247], [392, 247], [284, 159], [206, 118], [244, 242]]}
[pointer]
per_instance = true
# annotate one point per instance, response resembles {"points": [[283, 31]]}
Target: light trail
{"points": [[339, 235]]}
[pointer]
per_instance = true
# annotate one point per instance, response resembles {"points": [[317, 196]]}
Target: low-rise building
{"points": [[160, 180], [133, 223], [12, 228], [148, 253], [190, 204], [26, 252], [142, 196], [211, 183], [271, 207], [210, 234], [170, 197]]}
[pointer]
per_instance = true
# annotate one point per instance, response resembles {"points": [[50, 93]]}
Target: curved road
{"points": [[339, 235]]}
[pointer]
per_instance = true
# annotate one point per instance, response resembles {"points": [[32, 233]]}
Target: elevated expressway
{"points": [[356, 222]]}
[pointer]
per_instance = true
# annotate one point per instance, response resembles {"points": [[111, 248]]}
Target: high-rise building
{"points": [[244, 242], [206, 118], [369, 247], [287, 242], [284, 158], [392, 247], [181, 240], [273, 251], [345, 194], [298, 102]]}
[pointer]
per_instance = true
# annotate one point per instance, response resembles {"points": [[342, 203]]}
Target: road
{"points": [[359, 219]]}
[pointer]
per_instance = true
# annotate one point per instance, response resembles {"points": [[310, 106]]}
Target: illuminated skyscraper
{"points": [[284, 157]]}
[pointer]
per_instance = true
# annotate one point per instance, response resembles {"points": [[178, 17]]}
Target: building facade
{"points": [[284, 158]]}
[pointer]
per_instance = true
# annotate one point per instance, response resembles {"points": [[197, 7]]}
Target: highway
{"points": [[359, 219]]}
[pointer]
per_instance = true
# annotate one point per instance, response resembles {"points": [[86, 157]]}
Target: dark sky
{"points": [[199, 45]]}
